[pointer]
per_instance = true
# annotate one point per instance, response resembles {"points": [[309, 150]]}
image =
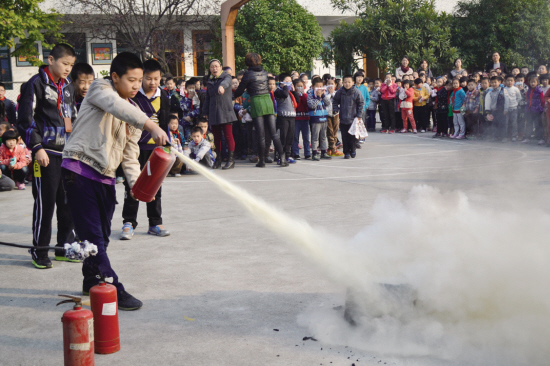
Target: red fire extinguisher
{"points": [[78, 334], [104, 304], [153, 174]]}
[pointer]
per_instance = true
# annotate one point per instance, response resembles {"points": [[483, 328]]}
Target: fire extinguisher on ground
{"points": [[78, 334], [104, 304]]}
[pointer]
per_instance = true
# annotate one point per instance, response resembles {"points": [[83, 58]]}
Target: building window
{"points": [[122, 44], [202, 51], [5, 68]]}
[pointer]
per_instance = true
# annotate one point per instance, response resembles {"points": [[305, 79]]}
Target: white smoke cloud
{"points": [[470, 284]]}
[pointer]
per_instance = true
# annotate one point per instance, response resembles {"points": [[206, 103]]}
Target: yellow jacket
{"points": [[417, 93]]}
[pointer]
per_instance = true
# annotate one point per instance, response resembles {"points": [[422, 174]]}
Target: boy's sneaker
{"points": [[42, 263], [119, 180], [177, 175], [336, 153], [268, 160], [383, 131], [415, 131], [127, 301], [62, 258], [362, 141], [307, 157], [352, 155], [422, 131], [525, 141], [391, 131], [20, 186], [403, 131], [346, 156], [158, 230], [325, 156], [461, 137], [290, 161], [316, 158], [254, 159], [127, 231]]}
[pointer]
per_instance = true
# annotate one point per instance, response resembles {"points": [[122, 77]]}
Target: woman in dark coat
{"points": [[261, 106], [218, 109]]}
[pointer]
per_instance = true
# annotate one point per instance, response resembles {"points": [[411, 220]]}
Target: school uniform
{"points": [[157, 108], [44, 110]]}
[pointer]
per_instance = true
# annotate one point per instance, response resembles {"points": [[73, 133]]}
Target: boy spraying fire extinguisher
{"points": [[105, 135]]}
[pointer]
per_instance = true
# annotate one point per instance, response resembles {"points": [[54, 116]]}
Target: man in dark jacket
{"points": [[154, 101], [10, 106], [349, 102], [497, 65], [46, 113]]}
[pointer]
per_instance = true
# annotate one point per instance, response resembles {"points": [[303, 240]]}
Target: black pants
{"points": [[420, 117], [131, 206], [251, 138], [48, 193], [388, 109], [348, 140], [266, 126], [239, 135], [442, 122], [93, 206], [286, 130]]}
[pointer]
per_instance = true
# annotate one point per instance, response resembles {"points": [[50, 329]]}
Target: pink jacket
{"points": [[388, 92], [18, 152]]}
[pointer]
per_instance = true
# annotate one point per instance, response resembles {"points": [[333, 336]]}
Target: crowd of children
{"points": [[96, 133]]}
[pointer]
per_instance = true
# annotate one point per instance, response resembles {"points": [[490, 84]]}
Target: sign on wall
{"points": [[102, 53]]}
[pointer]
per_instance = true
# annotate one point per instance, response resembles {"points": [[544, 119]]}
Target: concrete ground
{"points": [[215, 290]]}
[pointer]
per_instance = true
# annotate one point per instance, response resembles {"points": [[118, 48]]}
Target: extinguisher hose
{"points": [[79, 251], [29, 246]]}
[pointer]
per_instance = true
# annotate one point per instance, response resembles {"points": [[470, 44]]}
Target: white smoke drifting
{"points": [[434, 277], [472, 283]]}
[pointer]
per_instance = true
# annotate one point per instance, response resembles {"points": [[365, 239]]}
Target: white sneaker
{"points": [[542, 142]]}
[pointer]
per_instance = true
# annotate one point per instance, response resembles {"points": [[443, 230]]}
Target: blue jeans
{"points": [[303, 127], [18, 175]]}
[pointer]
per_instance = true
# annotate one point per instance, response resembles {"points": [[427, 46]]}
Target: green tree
{"points": [[518, 29], [25, 20], [387, 30], [285, 34]]}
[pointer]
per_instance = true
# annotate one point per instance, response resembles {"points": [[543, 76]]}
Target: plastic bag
{"points": [[358, 129]]}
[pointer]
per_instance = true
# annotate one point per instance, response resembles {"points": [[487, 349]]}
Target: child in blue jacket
{"points": [[318, 100], [457, 100]]}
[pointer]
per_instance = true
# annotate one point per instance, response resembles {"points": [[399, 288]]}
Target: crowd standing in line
{"points": [[93, 134]]}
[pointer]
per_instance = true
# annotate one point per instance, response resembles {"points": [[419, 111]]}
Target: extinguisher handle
{"points": [[77, 300]]}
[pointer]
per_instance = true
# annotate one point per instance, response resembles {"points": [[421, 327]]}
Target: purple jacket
{"points": [[535, 100]]}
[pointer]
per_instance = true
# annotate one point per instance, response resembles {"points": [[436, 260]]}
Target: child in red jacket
{"points": [[13, 160], [406, 95], [302, 121]]}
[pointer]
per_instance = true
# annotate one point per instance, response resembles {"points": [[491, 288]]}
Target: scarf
{"points": [[59, 87], [2, 99], [177, 135], [405, 69]]}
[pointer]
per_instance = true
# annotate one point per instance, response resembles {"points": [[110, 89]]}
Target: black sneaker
{"points": [[346, 156], [297, 157], [42, 263], [127, 301], [307, 157], [358, 145], [352, 155], [268, 160]]}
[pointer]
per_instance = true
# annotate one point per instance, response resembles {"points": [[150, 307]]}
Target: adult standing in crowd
{"points": [[404, 69], [500, 67], [218, 109], [9, 109], [425, 69], [261, 106], [457, 70]]}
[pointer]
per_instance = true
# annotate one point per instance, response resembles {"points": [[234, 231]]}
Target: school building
{"points": [[192, 62]]}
